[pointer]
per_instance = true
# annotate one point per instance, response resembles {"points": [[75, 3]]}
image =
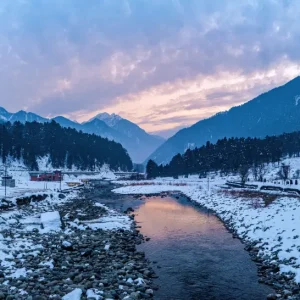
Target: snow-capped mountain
{"points": [[135, 140], [110, 120], [21, 116], [271, 113]]}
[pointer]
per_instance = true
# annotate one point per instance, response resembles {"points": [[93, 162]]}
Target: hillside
{"points": [[64, 147], [230, 156], [134, 139], [271, 113]]}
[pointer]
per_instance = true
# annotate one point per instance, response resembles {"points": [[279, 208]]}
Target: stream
{"points": [[194, 255]]}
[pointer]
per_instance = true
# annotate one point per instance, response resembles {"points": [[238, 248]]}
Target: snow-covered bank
{"points": [[273, 229], [44, 241]]}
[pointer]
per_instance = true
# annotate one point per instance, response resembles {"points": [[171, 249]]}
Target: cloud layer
{"points": [[163, 63]]}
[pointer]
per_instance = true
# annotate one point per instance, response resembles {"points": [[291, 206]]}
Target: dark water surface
{"points": [[197, 258]]}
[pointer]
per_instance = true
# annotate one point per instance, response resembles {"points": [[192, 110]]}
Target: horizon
{"points": [[166, 134], [163, 73]]}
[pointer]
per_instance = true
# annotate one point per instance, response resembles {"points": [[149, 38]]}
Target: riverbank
{"points": [[69, 246], [268, 226]]}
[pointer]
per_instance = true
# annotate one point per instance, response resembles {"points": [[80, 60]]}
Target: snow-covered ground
{"points": [[42, 217], [24, 186], [274, 227]]}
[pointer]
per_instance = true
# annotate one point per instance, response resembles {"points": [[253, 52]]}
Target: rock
{"points": [[67, 246], [149, 291], [272, 297], [61, 196]]}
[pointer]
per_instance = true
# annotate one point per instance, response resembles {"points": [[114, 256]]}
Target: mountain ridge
{"points": [[134, 139], [266, 114]]}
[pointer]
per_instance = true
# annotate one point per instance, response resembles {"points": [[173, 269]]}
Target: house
{"points": [[46, 176]]}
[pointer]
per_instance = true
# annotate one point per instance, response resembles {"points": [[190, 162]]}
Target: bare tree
{"points": [[244, 173], [254, 170], [262, 170], [284, 172]]}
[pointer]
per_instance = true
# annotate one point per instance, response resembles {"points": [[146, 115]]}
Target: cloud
{"points": [[77, 58]]}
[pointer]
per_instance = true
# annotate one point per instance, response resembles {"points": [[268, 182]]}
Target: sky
{"points": [[163, 64]]}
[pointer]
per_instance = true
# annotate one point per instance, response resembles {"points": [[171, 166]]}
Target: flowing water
{"points": [[195, 256]]}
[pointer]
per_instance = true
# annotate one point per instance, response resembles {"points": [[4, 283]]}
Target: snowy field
{"points": [[24, 186], [20, 225], [275, 227]]}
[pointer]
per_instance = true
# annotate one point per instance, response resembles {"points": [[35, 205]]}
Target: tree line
{"points": [[230, 156], [65, 147]]}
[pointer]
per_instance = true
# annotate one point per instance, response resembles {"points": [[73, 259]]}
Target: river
{"points": [[194, 255]]}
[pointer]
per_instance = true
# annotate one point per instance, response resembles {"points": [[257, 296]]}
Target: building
{"points": [[8, 181], [46, 176]]}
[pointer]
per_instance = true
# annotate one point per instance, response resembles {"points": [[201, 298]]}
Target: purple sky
{"points": [[163, 64]]}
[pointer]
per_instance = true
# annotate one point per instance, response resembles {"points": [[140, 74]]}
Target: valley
{"points": [[108, 230]]}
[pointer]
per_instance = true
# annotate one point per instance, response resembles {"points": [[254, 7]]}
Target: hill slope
{"points": [[137, 141], [65, 147], [271, 113]]}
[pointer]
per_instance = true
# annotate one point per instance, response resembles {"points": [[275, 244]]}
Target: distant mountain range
{"points": [[134, 139], [272, 113]]}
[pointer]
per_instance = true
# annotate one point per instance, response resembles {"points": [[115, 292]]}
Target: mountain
{"points": [[272, 113], [64, 122], [63, 147], [21, 116], [99, 127], [4, 115], [110, 120], [135, 140]]}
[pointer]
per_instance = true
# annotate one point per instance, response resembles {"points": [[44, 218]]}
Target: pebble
{"points": [[84, 259]]}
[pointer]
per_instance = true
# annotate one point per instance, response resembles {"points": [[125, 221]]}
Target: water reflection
{"points": [[196, 257], [164, 217]]}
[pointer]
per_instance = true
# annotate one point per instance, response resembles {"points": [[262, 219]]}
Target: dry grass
{"points": [[247, 195]]}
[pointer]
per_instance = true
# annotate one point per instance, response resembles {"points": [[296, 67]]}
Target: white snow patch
{"points": [[51, 221], [74, 295], [48, 264], [19, 273], [94, 293], [66, 244], [110, 222]]}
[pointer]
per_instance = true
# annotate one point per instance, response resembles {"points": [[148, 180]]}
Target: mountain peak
{"points": [[2, 109], [109, 119]]}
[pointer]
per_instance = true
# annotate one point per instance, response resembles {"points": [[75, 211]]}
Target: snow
{"points": [[275, 227], [74, 295], [94, 293], [110, 222], [19, 273], [48, 264], [139, 281], [66, 244], [51, 221], [110, 120]]}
